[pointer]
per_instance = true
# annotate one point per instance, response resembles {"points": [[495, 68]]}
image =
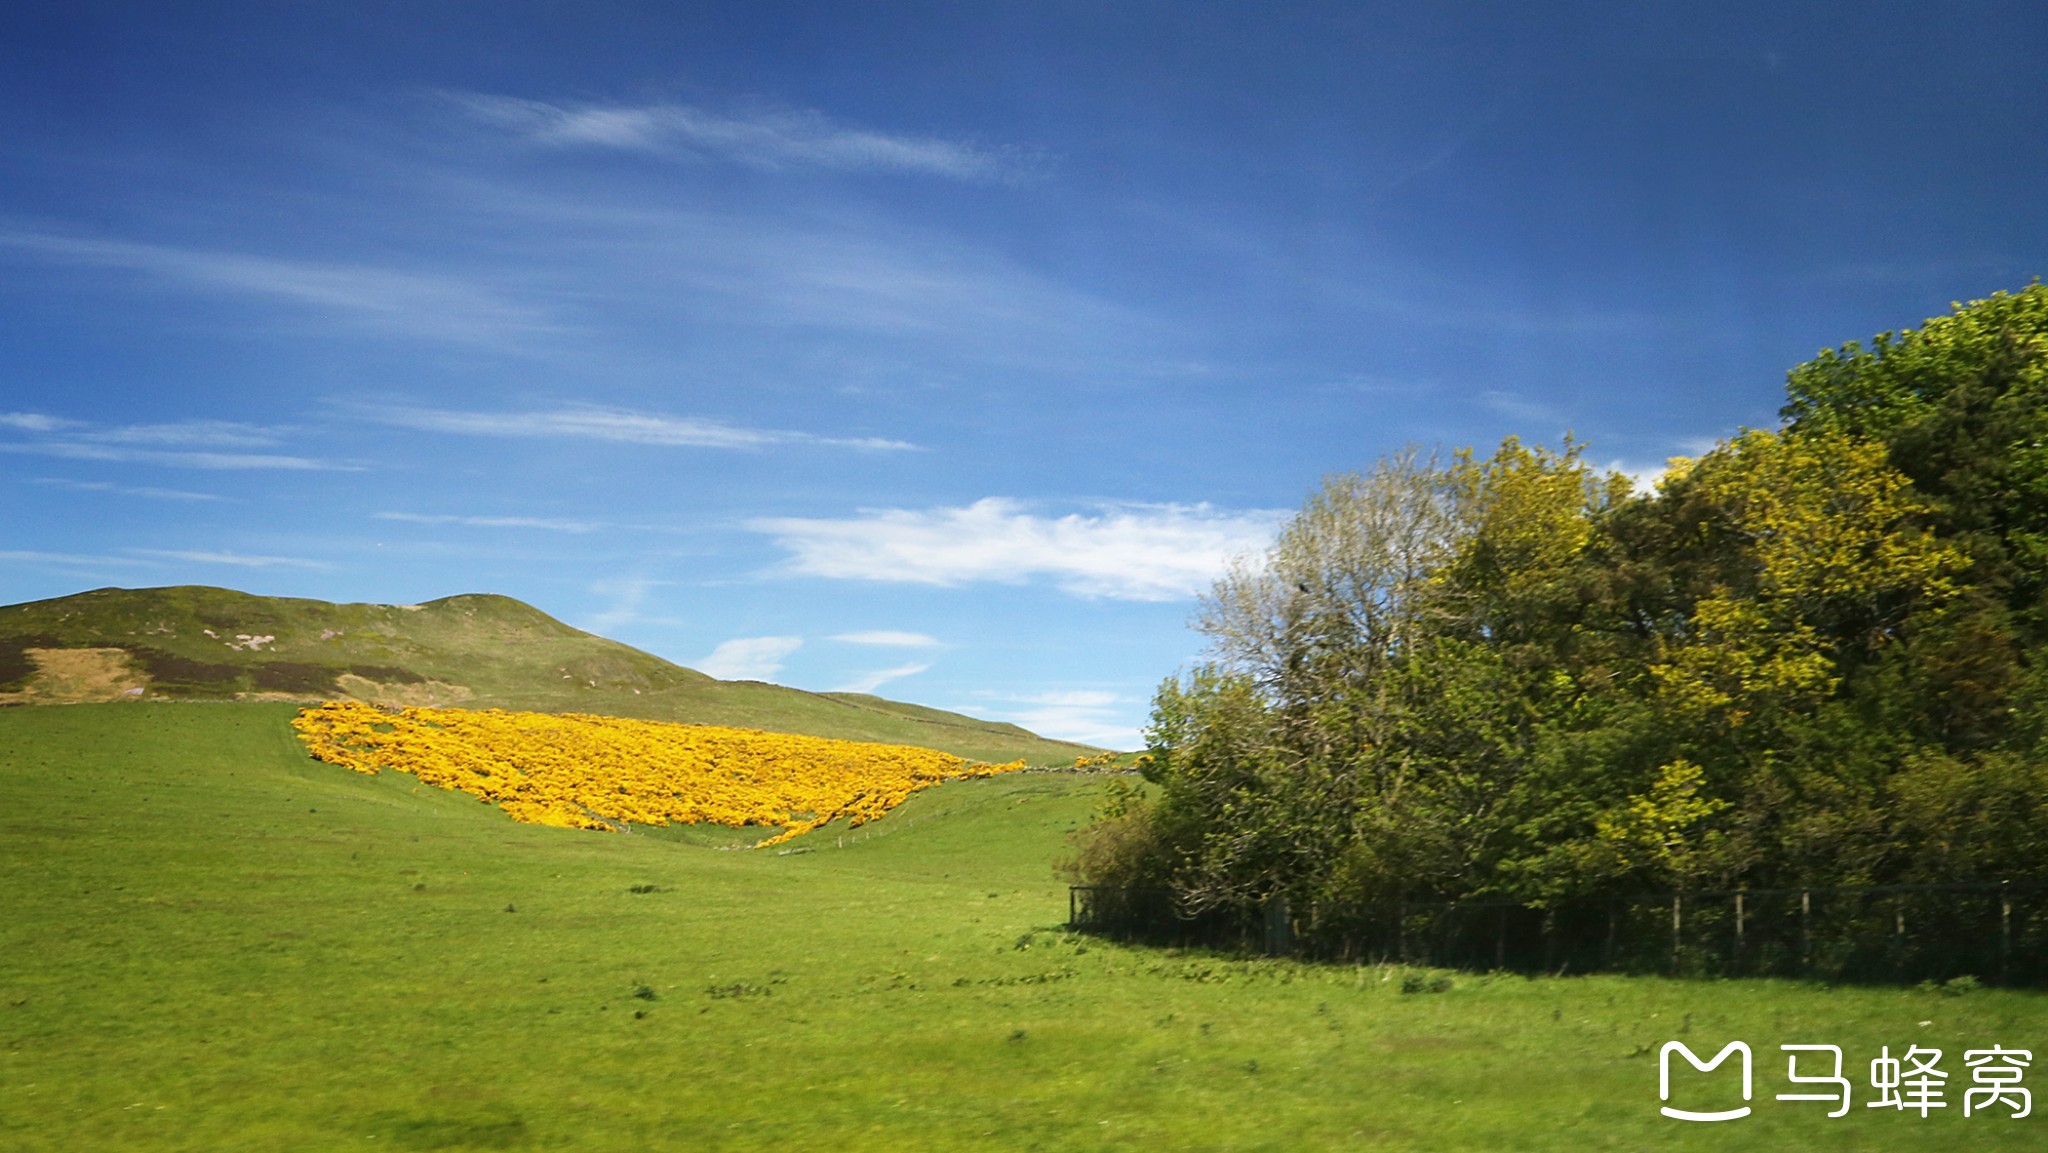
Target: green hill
{"points": [[476, 651]]}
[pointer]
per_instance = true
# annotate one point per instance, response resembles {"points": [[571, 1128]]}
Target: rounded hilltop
{"points": [[472, 650]]}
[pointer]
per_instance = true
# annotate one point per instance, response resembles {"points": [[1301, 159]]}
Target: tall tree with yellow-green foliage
{"points": [[1811, 655]]}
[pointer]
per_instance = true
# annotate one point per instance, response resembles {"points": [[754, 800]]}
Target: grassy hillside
{"points": [[209, 942], [194, 642]]}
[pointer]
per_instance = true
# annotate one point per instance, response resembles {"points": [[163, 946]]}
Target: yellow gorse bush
{"points": [[588, 772]]}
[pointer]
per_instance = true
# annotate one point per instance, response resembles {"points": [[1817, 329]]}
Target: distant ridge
{"points": [[476, 650]]}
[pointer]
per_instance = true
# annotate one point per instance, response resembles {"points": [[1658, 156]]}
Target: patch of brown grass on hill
{"points": [[71, 676], [421, 694]]}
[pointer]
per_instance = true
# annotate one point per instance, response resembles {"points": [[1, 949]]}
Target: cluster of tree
{"points": [[1816, 655]]}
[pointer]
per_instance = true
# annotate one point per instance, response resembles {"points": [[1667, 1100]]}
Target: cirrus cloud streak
{"points": [[201, 444], [402, 301], [552, 524], [1089, 716], [761, 138], [898, 638], [623, 426], [1120, 552], [240, 560]]}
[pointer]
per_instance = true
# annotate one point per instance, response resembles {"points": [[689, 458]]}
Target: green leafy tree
{"points": [[1810, 656], [1961, 405]]}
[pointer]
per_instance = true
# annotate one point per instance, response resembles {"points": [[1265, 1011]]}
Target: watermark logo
{"points": [[1914, 1081], [1664, 1079], [1919, 1077], [1997, 1072], [1832, 1077]]}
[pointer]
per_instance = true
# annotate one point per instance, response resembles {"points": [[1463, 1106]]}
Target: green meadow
{"points": [[210, 942]]}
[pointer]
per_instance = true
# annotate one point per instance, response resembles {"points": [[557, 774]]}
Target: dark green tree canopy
{"points": [[1811, 656]]}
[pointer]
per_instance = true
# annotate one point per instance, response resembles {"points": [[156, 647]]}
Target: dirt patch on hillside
{"points": [[71, 676], [421, 694]]}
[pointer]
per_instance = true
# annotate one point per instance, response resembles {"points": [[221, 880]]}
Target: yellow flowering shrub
{"points": [[587, 772]]}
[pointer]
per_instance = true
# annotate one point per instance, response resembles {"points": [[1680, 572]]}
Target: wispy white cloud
{"points": [[1070, 698], [419, 304], [749, 658], [218, 461], [610, 424], [628, 596], [126, 490], [1089, 716], [771, 139], [203, 444], [35, 422], [618, 257], [869, 682], [239, 560], [893, 637], [67, 560], [1128, 552], [190, 433], [548, 523], [862, 275]]}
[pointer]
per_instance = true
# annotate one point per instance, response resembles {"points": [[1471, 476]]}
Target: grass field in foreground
{"points": [[210, 942]]}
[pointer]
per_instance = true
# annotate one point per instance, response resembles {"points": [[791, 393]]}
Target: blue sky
{"points": [[939, 350]]}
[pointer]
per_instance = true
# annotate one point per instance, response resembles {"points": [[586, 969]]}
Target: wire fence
{"points": [[1996, 933]]}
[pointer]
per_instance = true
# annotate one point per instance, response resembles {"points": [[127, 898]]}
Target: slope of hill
{"points": [[475, 650]]}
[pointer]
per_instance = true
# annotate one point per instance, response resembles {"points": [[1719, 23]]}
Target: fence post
{"points": [[2004, 931], [1500, 938], [1279, 928], [1607, 953], [1898, 936], [1675, 900], [1806, 932], [1401, 930], [1735, 966]]}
